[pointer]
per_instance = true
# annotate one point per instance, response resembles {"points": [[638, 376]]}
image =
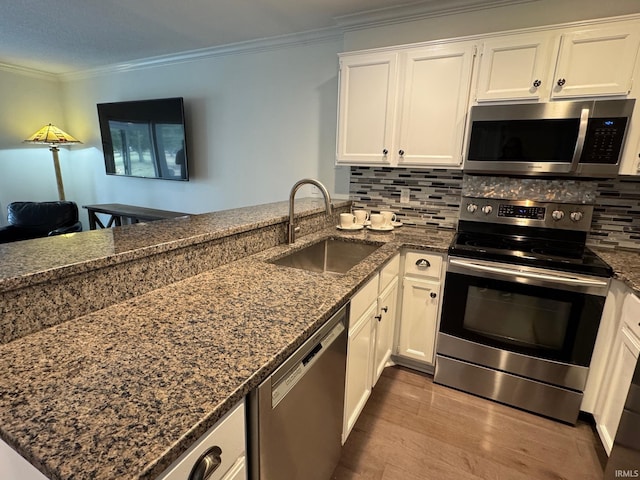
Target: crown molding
{"points": [[247, 47], [29, 72], [417, 11]]}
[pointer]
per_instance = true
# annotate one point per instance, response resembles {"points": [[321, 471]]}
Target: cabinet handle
{"points": [[385, 309], [207, 464], [401, 152], [433, 295], [561, 82], [378, 317], [422, 263], [537, 83], [385, 151]]}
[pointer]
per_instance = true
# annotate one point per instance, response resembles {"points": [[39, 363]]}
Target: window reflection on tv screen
{"points": [[144, 138]]}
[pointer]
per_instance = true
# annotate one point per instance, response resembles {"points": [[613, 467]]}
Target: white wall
{"points": [[257, 123], [28, 103]]}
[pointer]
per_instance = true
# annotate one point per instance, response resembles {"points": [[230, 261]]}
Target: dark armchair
{"points": [[39, 219]]}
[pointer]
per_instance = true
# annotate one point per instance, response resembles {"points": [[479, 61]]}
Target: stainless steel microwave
{"points": [[582, 138]]}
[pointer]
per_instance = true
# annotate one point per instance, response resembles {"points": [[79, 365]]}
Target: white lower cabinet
{"points": [[421, 291], [226, 444], [372, 317], [420, 300], [384, 328], [619, 372]]}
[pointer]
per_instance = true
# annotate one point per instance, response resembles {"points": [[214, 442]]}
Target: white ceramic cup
{"points": [[377, 220], [388, 217], [347, 220], [361, 216]]}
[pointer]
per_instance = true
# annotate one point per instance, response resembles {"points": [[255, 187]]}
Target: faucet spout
{"points": [[292, 229]]}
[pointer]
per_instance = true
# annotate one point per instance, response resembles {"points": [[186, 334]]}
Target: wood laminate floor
{"points": [[414, 429]]}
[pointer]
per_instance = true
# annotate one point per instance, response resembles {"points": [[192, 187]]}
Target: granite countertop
{"points": [[625, 264], [44, 259], [122, 392]]}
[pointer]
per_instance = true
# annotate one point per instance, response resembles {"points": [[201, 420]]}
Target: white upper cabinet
{"points": [[435, 93], [514, 67], [405, 107], [599, 61], [591, 61], [368, 90]]}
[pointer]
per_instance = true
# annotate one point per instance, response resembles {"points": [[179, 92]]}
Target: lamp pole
{"points": [[56, 166]]}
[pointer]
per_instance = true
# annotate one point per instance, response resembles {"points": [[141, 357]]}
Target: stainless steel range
{"points": [[522, 304]]}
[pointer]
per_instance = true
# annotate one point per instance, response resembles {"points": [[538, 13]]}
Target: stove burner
{"points": [[555, 254]]}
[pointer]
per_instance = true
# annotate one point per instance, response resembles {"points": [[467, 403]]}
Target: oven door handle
{"points": [[560, 278]]}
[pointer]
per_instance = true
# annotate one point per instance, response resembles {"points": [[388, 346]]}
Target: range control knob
{"points": [[557, 215], [487, 209], [576, 216], [472, 207]]}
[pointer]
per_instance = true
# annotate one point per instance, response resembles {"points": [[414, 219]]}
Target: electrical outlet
{"points": [[405, 194]]}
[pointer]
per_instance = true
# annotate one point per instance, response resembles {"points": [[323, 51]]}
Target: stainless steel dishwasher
{"points": [[295, 415]]}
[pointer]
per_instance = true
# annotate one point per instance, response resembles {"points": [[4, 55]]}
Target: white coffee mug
{"points": [[347, 220], [388, 217], [377, 220], [361, 216]]}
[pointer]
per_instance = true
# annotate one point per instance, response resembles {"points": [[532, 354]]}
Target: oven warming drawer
{"points": [[513, 390], [559, 374]]}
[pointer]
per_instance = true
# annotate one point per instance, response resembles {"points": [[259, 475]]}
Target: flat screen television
{"points": [[145, 138]]}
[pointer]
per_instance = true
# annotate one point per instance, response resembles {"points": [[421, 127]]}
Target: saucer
{"points": [[396, 224], [353, 227], [384, 228]]}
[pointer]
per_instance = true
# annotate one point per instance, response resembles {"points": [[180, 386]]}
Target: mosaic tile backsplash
{"points": [[434, 198]]}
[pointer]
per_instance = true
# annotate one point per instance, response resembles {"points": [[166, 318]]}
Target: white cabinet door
{"points": [[385, 326], [359, 361], [619, 372], [368, 90], [418, 323], [515, 67], [435, 99], [596, 62], [624, 363]]}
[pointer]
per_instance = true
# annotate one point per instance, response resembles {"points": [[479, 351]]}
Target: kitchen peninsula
{"points": [[122, 391]]}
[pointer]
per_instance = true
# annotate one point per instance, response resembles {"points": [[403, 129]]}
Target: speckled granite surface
{"points": [[122, 392], [626, 265], [47, 281]]}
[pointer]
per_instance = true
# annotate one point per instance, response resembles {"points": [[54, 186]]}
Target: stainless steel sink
{"points": [[328, 256]]}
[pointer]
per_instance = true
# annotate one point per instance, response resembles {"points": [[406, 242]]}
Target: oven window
{"points": [[525, 320], [532, 320]]}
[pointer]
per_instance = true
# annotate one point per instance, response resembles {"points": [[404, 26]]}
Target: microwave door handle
{"points": [[559, 279], [582, 135]]}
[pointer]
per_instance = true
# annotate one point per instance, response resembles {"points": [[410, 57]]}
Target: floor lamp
{"points": [[54, 137]]}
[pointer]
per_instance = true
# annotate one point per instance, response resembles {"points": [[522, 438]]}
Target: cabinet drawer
{"points": [[423, 264], [363, 299], [631, 314], [228, 434], [389, 272]]}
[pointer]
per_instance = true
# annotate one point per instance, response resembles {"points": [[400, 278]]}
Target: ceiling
{"points": [[65, 36]]}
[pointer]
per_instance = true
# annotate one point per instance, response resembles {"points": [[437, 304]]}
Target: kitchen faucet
{"points": [[291, 229]]}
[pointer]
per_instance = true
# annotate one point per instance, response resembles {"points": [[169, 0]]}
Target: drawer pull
{"points": [[422, 263], [207, 464], [385, 309], [433, 295]]}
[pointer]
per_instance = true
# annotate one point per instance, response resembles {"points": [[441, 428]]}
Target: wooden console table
{"points": [[119, 212]]}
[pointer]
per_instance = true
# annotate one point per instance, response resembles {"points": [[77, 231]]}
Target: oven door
{"points": [[538, 323]]}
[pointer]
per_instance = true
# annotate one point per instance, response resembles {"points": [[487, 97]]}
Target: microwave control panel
{"points": [[603, 142]]}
